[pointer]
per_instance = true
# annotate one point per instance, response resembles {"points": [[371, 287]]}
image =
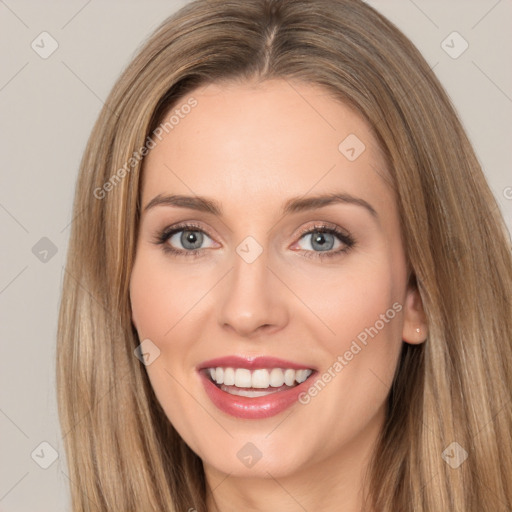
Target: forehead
{"points": [[259, 143]]}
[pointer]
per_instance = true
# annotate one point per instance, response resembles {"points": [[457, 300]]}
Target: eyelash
{"points": [[163, 236]]}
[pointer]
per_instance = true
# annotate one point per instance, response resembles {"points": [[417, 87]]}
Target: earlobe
{"points": [[415, 327]]}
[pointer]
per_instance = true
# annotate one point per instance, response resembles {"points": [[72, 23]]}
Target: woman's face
{"points": [[299, 273]]}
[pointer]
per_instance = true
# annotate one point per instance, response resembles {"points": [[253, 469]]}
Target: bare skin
{"points": [[252, 147]]}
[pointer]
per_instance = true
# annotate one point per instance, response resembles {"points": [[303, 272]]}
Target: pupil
{"points": [[191, 237], [320, 239]]}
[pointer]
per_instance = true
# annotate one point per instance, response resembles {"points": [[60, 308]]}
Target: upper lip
{"points": [[252, 363]]}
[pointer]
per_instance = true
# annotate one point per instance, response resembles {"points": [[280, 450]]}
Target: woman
{"points": [[337, 335]]}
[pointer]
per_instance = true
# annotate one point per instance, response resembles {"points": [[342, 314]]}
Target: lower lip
{"points": [[253, 408]]}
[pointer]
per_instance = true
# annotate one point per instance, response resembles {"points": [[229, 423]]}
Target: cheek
{"points": [[158, 297], [159, 300], [363, 309], [351, 301], [368, 338], [361, 320]]}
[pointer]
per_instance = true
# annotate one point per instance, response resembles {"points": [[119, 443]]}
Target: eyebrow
{"points": [[293, 205]]}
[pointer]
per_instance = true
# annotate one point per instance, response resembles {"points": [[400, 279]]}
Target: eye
{"points": [[188, 239], [183, 240], [322, 239]]}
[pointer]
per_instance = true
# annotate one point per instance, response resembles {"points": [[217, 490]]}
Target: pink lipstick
{"points": [[254, 387]]}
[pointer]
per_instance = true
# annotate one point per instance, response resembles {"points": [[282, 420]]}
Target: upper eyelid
{"points": [[318, 225], [186, 227]]}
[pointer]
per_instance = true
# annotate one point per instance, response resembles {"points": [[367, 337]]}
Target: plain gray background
{"points": [[48, 107]]}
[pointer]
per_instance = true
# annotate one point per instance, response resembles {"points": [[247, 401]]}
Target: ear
{"points": [[415, 327]]}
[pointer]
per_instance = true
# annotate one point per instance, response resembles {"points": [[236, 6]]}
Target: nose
{"points": [[253, 299]]}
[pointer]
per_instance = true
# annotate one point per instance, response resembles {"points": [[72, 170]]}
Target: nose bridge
{"points": [[251, 299]]}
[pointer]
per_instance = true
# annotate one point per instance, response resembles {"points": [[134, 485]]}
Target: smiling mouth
{"points": [[258, 382]]}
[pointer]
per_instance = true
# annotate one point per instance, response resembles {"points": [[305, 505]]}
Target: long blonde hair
{"points": [[123, 453]]}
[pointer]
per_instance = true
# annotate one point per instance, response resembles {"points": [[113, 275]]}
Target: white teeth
{"points": [[261, 378], [289, 377], [242, 378], [229, 377], [276, 377], [300, 375], [251, 393]]}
